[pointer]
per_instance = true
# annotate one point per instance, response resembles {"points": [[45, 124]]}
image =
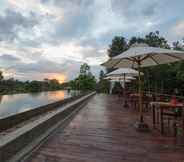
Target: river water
{"points": [[16, 103]]}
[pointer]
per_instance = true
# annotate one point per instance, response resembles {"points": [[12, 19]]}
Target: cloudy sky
{"points": [[51, 38]]}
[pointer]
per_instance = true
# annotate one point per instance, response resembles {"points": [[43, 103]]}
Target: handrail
{"points": [[162, 94]]}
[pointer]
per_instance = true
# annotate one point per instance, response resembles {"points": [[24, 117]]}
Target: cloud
{"points": [[178, 28], [41, 69], [9, 58], [64, 34], [75, 51], [12, 22], [37, 70], [134, 8], [150, 10]]}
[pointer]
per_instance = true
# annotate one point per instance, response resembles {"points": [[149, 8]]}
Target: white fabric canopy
{"points": [[122, 82], [113, 80], [121, 71], [120, 77], [149, 56], [117, 79]]}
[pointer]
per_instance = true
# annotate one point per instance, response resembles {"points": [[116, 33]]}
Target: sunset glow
{"points": [[60, 77]]}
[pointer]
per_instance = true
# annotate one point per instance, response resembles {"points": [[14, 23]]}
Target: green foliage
{"points": [[102, 74], [117, 89], [118, 46], [84, 69], [162, 78], [155, 40], [85, 81], [1, 75], [11, 86], [103, 84]]}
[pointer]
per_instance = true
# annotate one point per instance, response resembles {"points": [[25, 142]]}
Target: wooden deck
{"points": [[103, 132]]}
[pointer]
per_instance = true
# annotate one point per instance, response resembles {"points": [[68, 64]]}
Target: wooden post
{"points": [[124, 95], [140, 94]]}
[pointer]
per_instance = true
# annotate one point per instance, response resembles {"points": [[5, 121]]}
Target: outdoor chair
{"points": [[173, 119], [133, 100], [146, 102]]}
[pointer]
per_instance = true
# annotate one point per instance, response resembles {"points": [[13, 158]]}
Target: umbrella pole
{"points": [[124, 88], [140, 125], [124, 94], [140, 96]]}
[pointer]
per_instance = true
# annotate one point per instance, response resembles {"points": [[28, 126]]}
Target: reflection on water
{"points": [[16, 103]]}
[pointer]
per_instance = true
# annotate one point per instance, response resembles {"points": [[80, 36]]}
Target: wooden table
{"points": [[163, 108], [134, 99]]}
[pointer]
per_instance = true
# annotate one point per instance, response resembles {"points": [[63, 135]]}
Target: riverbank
{"points": [[22, 139], [18, 103]]}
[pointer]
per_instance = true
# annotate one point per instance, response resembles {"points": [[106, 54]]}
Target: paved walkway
{"points": [[103, 132]]}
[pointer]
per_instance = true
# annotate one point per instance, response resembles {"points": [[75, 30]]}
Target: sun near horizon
{"points": [[61, 78]]}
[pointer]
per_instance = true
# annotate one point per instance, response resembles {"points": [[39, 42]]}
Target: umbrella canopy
{"points": [[117, 79], [122, 81], [121, 71], [145, 56], [125, 75]]}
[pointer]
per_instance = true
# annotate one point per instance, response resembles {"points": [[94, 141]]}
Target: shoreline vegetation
{"points": [[85, 81], [11, 86]]}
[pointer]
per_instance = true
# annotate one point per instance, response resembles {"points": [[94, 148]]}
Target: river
{"points": [[16, 103]]}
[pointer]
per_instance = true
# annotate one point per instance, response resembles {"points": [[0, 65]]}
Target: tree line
{"points": [[85, 81], [11, 86]]}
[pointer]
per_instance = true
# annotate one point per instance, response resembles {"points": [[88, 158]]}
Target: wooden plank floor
{"points": [[103, 132]]}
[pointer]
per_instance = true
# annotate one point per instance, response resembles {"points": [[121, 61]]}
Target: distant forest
{"points": [[11, 86], [85, 81]]}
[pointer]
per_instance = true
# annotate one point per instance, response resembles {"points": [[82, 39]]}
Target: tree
{"points": [[103, 84], [178, 46], [84, 69], [34, 86], [155, 40], [117, 46], [135, 40], [85, 80], [1, 75], [101, 75]]}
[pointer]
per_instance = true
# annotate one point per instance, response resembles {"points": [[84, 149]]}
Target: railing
{"points": [[165, 96]]}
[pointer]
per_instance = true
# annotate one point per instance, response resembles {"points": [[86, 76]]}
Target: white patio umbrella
{"points": [[121, 81], [141, 55], [114, 79], [120, 77], [125, 73]]}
